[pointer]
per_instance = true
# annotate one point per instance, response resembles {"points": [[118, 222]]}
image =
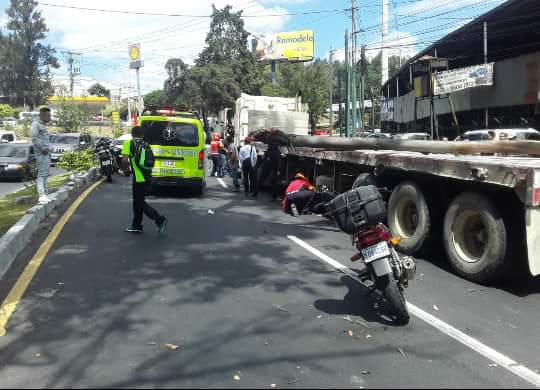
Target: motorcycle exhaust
{"points": [[409, 266]]}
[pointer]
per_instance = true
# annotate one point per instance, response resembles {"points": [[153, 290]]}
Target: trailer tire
{"points": [[409, 217], [364, 179], [475, 238]]}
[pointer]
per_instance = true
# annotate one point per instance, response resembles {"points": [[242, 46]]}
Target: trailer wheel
{"points": [[409, 218], [475, 238], [364, 179]]}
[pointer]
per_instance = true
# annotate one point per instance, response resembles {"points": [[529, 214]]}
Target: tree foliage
{"points": [[5, 110], [71, 117], [99, 90], [25, 62]]}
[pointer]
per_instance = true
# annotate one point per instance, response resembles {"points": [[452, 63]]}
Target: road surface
{"points": [[227, 297]]}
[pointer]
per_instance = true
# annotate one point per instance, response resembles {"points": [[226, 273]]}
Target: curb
{"points": [[17, 237]]}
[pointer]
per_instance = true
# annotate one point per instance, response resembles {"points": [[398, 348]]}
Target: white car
{"points": [[500, 135], [9, 121], [413, 136]]}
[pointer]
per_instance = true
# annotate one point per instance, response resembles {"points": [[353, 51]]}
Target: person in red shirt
{"points": [[299, 193], [215, 147]]}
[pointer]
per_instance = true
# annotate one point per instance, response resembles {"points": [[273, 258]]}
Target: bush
{"points": [[5, 111], [77, 161]]}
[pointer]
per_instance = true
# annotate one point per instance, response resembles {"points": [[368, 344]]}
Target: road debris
{"points": [[151, 343], [350, 333], [319, 316], [236, 376], [273, 385], [401, 352], [349, 319], [280, 308], [37, 355], [368, 336], [49, 293], [292, 381], [211, 212], [366, 372], [236, 299], [493, 365], [435, 308], [172, 347]]}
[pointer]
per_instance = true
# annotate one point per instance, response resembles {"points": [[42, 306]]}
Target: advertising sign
{"points": [[135, 60], [285, 46], [463, 78]]}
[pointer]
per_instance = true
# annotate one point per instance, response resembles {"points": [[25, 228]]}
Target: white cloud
{"points": [[103, 38]]}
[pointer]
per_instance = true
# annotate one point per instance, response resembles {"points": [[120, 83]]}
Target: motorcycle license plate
{"points": [[167, 163], [106, 162], [375, 252]]}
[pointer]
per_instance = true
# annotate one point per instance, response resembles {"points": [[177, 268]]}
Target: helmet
{"points": [[300, 175], [247, 140]]}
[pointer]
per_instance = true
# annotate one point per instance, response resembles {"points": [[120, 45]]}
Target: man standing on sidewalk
{"points": [[234, 164], [134, 150], [40, 141]]}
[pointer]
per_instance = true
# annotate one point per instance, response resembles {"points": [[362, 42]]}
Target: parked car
{"points": [[9, 121], [17, 161], [68, 142], [413, 136], [380, 135], [7, 136], [500, 135]]}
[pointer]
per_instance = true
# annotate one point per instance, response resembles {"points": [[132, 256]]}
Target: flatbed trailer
{"points": [[484, 210]]}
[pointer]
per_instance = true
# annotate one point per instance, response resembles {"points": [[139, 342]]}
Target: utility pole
{"points": [[362, 84], [331, 61], [347, 87], [72, 71], [485, 62], [384, 52], [353, 72]]}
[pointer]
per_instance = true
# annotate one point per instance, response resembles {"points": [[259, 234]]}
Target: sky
{"points": [[102, 38]]}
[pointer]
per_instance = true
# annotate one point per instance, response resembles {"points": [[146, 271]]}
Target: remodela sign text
{"points": [[463, 78]]}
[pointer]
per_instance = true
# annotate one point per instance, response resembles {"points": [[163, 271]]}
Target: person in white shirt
{"points": [[248, 161]]}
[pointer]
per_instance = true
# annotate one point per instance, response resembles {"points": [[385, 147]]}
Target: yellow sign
{"points": [[285, 46], [135, 56], [80, 99], [115, 117], [134, 53]]}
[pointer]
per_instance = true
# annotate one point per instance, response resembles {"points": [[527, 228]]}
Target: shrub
{"points": [[77, 161]]}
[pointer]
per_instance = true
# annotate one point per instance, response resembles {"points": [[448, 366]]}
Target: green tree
{"points": [[5, 110], [99, 90], [70, 117], [25, 73], [274, 90], [156, 97]]}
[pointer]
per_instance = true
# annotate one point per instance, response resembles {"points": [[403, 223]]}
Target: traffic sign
{"points": [[135, 61]]}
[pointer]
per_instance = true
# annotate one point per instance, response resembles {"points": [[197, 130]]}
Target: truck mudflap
{"points": [[532, 221]]}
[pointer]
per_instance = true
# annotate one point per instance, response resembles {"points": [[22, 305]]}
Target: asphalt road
{"points": [[246, 306], [7, 187]]}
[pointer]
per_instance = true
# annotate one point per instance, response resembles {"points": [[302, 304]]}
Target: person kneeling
{"points": [[298, 196]]}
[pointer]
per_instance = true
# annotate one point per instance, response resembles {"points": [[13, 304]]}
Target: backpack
{"points": [[143, 156]]}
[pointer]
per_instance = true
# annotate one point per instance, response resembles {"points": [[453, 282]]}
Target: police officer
{"points": [[140, 182], [42, 146]]}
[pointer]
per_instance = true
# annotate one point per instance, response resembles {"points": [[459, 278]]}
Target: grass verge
{"points": [[11, 212]]}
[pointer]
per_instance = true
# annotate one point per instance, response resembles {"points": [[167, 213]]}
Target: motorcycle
{"points": [[360, 213], [388, 270], [107, 162]]}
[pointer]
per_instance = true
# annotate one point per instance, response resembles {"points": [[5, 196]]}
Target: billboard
{"points": [[285, 46], [463, 78]]}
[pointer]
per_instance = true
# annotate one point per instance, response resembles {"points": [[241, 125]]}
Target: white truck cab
{"points": [[7, 137]]}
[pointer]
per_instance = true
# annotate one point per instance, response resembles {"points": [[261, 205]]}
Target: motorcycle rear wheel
{"points": [[397, 301]]}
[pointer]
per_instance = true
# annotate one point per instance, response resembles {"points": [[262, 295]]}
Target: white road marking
{"points": [[497, 357], [223, 184]]}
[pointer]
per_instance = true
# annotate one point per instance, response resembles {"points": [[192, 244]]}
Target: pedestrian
{"points": [[42, 146], [234, 164], [217, 159], [270, 170], [134, 151], [248, 161]]}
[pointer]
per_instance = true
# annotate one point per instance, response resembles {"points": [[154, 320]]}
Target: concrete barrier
{"points": [[19, 235]]}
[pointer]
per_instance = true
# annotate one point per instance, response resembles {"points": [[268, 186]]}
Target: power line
{"points": [[182, 15]]}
